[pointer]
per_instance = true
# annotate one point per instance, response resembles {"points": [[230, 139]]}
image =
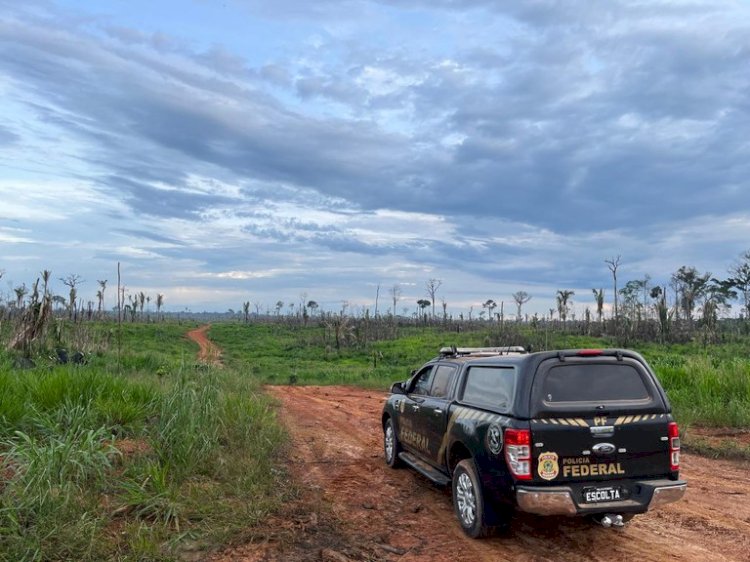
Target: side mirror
{"points": [[397, 388]]}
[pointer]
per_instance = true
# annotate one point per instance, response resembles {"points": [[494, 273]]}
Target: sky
{"points": [[249, 150]]}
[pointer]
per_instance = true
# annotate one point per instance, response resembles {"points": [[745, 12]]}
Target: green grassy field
{"points": [[142, 454], [707, 386], [136, 459]]}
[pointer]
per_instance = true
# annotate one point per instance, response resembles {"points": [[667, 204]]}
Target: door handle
{"points": [[438, 411], [414, 407]]}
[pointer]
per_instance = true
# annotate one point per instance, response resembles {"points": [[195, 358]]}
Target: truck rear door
{"points": [[597, 418]]}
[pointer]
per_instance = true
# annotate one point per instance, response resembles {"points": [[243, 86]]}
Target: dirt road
{"points": [[355, 508], [208, 352]]}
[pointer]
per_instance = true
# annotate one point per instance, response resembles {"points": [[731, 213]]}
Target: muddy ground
{"points": [[353, 507]]}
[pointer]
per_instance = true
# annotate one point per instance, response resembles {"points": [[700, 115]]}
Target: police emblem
{"points": [[495, 439], [547, 466]]}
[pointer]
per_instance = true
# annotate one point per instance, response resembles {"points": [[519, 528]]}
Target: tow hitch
{"points": [[610, 520]]}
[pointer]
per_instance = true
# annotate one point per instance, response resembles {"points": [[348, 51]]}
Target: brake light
{"points": [[518, 452], [674, 446], [589, 352]]}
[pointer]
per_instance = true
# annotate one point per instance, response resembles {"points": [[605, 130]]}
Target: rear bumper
{"points": [[562, 500]]}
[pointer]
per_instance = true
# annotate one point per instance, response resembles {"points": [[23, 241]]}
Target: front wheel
{"points": [[391, 447], [468, 500]]}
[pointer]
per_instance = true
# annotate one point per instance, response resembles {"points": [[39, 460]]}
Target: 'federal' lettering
{"points": [[601, 469]]}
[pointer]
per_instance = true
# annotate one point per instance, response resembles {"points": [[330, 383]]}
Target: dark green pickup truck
{"points": [[574, 432]]}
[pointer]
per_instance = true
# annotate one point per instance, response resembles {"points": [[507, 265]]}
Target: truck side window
{"points": [[490, 387], [441, 381], [422, 382]]}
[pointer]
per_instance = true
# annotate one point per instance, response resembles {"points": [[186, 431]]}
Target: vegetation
{"points": [[707, 385], [136, 459]]}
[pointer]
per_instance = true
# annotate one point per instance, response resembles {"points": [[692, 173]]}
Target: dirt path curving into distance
{"points": [[209, 352], [353, 507]]}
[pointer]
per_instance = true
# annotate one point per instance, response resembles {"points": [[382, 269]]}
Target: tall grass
{"points": [[706, 391], [186, 434], [126, 459], [103, 398]]}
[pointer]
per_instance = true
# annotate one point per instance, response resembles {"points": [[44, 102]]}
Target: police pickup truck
{"points": [[575, 432]]}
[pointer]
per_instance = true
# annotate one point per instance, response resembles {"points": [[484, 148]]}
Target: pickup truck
{"points": [[584, 432]]}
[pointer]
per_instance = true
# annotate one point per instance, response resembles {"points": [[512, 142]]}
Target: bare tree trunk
{"points": [[377, 297], [119, 319]]}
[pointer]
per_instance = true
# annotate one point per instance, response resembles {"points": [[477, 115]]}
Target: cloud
{"points": [[7, 136], [522, 144]]}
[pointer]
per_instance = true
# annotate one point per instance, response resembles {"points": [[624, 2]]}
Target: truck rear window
{"points": [[594, 383], [489, 387]]}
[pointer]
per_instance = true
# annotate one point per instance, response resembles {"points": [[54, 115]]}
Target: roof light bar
{"points": [[456, 351]]}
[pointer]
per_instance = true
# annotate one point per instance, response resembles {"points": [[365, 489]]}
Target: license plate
{"points": [[598, 495]]}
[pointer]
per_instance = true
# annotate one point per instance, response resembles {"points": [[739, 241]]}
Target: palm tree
{"points": [[562, 303], [21, 291], [100, 294], [395, 292], [599, 298], [422, 304], [159, 303], [490, 305], [46, 274], [313, 306]]}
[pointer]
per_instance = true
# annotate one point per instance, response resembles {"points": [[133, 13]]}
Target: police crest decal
{"points": [[547, 466]]}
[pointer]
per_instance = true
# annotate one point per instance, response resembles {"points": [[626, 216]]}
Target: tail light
{"points": [[674, 446], [518, 452]]}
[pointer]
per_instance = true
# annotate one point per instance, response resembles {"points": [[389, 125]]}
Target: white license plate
{"points": [[597, 495]]}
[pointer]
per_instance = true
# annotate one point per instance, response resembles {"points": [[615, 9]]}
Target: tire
{"points": [[469, 502], [391, 446]]}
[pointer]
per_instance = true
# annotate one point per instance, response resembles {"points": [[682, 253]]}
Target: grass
{"points": [[707, 386], [136, 459], [277, 354], [722, 449]]}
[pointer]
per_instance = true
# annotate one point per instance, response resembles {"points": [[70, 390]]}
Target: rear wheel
{"points": [[391, 447], [469, 501]]}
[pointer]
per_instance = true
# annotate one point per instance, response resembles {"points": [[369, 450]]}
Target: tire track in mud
{"points": [[385, 514]]}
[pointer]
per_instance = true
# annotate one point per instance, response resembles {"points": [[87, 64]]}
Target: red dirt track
{"points": [[353, 507], [209, 352]]}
